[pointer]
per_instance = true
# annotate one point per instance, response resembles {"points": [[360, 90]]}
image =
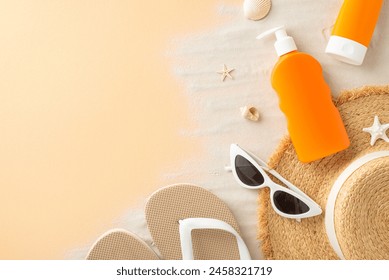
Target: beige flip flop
{"points": [[189, 222], [121, 245]]}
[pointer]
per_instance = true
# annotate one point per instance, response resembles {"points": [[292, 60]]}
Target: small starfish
{"points": [[225, 73], [377, 131]]}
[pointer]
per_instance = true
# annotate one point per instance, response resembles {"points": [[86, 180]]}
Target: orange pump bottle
{"points": [[314, 123]]}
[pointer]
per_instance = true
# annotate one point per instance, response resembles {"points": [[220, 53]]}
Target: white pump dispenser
{"points": [[284, 43]]}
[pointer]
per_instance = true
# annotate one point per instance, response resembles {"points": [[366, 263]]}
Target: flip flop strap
{"points": [[187, 225]]}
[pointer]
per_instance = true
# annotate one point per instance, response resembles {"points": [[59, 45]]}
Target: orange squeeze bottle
{"points": [[314, 123], [353, 30]]}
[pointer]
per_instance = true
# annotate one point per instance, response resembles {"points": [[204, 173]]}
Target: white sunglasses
{"points": [[249, 172]]}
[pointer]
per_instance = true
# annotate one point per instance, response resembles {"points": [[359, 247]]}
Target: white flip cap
{"points": [[284, 44], [346, 50]]}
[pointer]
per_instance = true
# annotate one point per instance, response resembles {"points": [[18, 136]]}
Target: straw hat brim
{"points": [[283, 238]]}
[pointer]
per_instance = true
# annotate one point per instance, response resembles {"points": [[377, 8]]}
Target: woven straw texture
{"points": [[361, 209], [169, 205], [121, 245]]}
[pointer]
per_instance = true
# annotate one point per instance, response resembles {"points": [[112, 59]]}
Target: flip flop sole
{"points": [[173, 203], [121, 245]]}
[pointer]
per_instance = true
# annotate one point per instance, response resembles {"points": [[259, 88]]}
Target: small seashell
{"points": [[256, 9], [250, 113]]}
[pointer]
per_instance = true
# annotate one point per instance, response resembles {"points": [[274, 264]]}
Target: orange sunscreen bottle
{"points": [[315, 125], [353, 30]]}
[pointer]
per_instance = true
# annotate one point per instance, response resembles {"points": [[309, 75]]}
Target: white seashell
{"points": [[256, 9], [249, 112]]}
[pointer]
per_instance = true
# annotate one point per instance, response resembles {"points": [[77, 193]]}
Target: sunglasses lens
{"points": [[247, 172], [289, 204]]}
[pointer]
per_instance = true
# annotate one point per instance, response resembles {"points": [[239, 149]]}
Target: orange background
{"points": [[89, 114]]}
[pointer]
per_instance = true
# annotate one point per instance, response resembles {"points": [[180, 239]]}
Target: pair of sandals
{"points": [[186, 222]]}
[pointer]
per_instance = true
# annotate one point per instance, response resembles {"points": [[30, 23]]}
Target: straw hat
{"points": [[352, 187]]}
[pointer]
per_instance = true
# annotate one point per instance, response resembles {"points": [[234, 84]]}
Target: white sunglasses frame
{"points": [[261, 166]]}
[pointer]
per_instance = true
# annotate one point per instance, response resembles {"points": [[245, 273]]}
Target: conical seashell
{"points": [[251, 113], [256, 9]]}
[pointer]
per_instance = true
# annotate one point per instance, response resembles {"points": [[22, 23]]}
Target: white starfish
{"points": [[377, 131], [225, 72]]}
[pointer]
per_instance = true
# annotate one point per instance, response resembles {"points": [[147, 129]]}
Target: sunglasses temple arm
{"points": [[287, 183], [314, 206], [276, 174], [258, 160]]}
